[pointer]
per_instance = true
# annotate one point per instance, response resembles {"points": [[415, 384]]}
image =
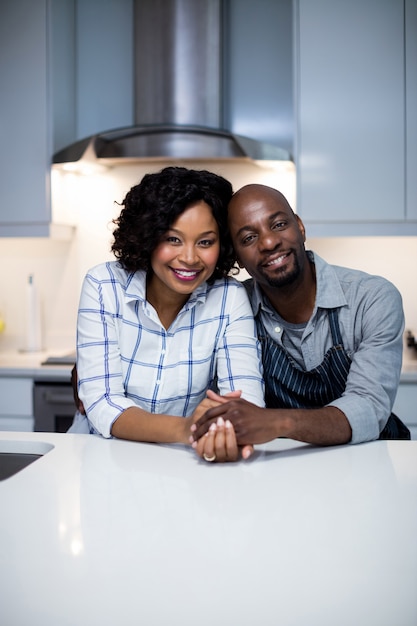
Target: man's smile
{"points": [[276, 261]]}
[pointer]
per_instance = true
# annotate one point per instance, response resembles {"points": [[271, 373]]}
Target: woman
{"points": [[164, 323]]}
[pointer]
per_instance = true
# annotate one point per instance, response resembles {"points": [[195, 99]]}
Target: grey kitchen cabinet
{"points": [[405, 405], [16, 412], [26, 120], [25, 207], [258, 71], [352, 83], [411, 106]]}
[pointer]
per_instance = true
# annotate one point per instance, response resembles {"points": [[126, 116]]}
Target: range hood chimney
{"points": [[178, 93]]}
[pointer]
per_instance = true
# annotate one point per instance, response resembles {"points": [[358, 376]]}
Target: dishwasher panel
{"points": [[54, 406]]}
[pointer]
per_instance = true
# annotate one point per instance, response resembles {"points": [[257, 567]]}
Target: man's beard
{"points": [[284, 279]]}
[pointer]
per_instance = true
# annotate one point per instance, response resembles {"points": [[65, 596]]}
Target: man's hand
{"points": [[250, 422], [212, 400]]}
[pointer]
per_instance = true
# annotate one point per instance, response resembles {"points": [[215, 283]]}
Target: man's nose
{"points": [[268, 240]]}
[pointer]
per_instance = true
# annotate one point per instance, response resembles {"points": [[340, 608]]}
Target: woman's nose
{"points": [[188, 255]]}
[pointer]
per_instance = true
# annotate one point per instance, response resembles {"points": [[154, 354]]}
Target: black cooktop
{"points": [[66, 359]]}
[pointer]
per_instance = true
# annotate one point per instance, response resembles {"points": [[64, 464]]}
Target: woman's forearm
{"points": [[136, 424]]}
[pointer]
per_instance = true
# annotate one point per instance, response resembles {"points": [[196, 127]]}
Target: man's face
{"points": [[268, 238]]}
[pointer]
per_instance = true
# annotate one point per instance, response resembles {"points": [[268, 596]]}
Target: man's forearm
{"points": [[254, 425], [325, 426]]}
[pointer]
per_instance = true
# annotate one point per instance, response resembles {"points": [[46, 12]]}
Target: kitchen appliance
{"points": [[54, 406], [411, 340], [179, 81]]}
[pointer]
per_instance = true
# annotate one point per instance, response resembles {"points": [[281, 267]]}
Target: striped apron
{"points": [[286, 386]]}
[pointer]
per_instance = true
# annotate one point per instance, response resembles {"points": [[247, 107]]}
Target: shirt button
{"points": [[277, 329], [158, 382]]}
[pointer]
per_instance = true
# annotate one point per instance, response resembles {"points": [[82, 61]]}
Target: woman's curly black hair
{"points": [[152, 206]]}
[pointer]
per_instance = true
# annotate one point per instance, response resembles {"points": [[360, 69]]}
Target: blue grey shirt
{"points": [[371, 321]]}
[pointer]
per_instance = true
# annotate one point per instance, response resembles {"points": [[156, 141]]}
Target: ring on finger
{"points": [[209, 459]]}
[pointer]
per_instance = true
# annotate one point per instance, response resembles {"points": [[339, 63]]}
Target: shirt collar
{"points": [[329, 293], [135, 286]]}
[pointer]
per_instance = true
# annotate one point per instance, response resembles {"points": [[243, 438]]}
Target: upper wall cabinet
{"points": [[24, 161], [352, 85], [258, 71], [411, 107], [26, 121]]}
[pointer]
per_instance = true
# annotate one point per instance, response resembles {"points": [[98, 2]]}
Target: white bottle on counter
{"points": [[33, 339]]}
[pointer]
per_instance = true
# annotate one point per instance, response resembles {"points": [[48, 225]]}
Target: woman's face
{"points": [[188, 253]]}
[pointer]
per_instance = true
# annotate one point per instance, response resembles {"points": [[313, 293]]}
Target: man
{"points": [[331, 338]]}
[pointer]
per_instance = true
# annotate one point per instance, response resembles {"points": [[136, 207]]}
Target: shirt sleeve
{"points": [[98, 357], [376, 362], [239, 365]]}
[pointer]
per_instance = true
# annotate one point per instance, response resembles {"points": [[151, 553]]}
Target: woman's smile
{"points": [[186, 275]]}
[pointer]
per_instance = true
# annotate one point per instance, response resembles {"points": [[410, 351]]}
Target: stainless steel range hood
{"points": [[178, 93], [168, 141]]}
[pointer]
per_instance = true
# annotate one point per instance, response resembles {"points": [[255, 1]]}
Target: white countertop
{"points": [[15, 364], [113, 532]]}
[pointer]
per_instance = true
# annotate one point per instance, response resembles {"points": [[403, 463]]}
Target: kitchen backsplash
{"points": [[58, 267]]}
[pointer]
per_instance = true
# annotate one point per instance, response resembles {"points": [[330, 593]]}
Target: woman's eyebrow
{"points": [[180, 232]]}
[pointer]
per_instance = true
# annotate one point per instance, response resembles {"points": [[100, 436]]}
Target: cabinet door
{"points": [[258, 71], [351, 124], [24, 160], [411, 105], [16, 411], [405, 406]]}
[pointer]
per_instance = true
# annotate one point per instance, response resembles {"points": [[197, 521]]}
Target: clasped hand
{"points": [[217, 441]]}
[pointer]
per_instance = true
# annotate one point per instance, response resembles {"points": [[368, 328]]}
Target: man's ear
{"points": [[301, 226]]}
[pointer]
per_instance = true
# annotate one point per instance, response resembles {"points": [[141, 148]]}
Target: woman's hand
{"points": [[219, 443]]}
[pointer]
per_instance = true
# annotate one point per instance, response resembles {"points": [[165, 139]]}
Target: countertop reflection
{"points": [[109, 531]]}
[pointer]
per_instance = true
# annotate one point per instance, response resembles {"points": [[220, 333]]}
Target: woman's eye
{"points": [[206, 243], [172, 239]]}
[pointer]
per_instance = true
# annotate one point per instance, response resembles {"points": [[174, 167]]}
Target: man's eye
{"points": [[279, 225], [248, 239]]}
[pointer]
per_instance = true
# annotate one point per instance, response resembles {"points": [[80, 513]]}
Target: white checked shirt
{"points": [[125, 357]]}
